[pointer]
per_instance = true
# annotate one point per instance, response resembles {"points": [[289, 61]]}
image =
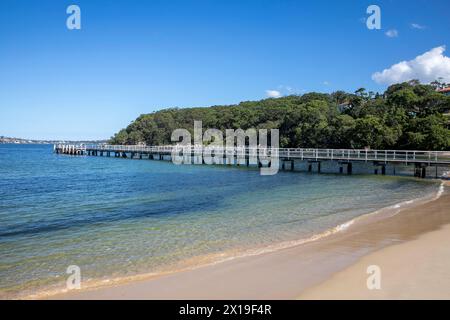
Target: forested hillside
{"points": [[406, 116]]}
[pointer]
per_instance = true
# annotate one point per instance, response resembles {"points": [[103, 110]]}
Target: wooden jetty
{"points": [[345, 158]]}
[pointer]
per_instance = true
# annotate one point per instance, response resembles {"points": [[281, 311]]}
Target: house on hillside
{"points": [[344, 106], [445, 90]]}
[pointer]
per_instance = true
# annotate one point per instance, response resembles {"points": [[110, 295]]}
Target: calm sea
{"points": [[118, 218]]}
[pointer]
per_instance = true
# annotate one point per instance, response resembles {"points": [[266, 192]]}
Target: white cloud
{"points": [[426, 67], [283, 90], [273, 93], [393, 33], [326, 83], [417, 26]]}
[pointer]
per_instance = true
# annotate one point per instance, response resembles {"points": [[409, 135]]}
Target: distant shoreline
{"points": [[13, 141]]}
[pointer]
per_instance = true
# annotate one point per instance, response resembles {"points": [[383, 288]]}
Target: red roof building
{"points": [[445, 91]]}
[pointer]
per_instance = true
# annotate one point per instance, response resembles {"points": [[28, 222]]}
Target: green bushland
{"points": [[408, 115]]}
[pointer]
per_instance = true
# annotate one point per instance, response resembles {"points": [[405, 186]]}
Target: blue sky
{"points": [[133, 57]]}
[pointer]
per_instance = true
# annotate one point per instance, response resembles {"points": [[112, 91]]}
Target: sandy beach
{"points": [[417, 269], [410, 246]]}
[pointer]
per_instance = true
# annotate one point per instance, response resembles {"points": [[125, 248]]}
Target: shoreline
{"points": [[218, 258], [414, 269], [321, 260]]}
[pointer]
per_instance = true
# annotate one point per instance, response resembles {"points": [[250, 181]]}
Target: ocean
{"points": [[120, 219]]}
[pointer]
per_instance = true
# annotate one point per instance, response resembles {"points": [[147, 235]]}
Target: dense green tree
{"points": [[371, 132], [407, 115]]}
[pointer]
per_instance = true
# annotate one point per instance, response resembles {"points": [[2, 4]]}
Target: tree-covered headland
{"points": [[408, 115]]}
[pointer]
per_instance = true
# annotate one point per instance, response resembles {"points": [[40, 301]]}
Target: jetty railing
{"points": [[405, 156]]}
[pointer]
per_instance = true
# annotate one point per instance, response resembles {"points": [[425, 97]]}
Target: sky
{"points": [[134, 57]]}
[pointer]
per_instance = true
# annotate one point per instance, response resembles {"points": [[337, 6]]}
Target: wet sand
{"points": [[332, 267]]}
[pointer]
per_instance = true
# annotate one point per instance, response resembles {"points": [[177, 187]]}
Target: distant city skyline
{"points": [[135, 57]]}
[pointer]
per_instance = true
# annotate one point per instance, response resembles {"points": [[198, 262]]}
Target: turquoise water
{"points": [[118, 218]]}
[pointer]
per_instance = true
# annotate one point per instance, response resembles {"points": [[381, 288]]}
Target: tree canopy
{"points": [[408, 115]]}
